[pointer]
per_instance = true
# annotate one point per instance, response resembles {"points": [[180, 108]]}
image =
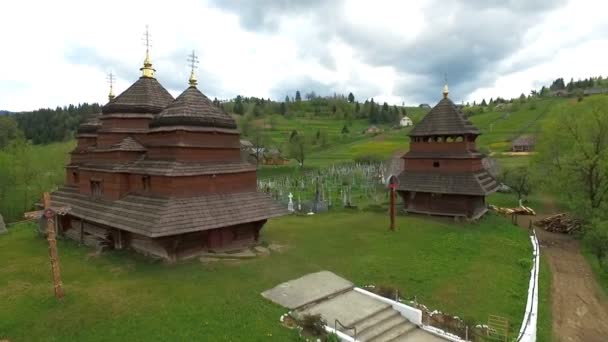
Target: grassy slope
{"points": [[500, 127], [471, 270], [46, 164]]}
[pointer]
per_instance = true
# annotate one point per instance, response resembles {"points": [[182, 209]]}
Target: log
{"points": [[560, 223]]}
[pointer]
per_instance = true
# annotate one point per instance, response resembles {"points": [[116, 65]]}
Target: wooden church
{"points": [[162, 176], [443, 172]]}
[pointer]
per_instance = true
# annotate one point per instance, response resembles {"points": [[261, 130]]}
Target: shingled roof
{"points": [[444, 119], [90, 126], [478, 184], [127, 144], [193, 108], [146, 95], [156, 217]]}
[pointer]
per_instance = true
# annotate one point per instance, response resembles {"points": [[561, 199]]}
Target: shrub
{"points": [[313, 324], [387, 291], [596, 239]]}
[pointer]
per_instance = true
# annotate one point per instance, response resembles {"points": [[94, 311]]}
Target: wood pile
{"points": [[513, 211], [560, 223]]}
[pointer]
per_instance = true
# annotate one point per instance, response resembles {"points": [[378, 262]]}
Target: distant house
{"points": [[424, 105], [247, 151], [559, 93], [524, 143], [372, 130], [273, 156], [405, 121], [595, 91]]}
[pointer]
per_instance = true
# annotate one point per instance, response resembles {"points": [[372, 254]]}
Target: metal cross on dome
{"points": [[193, 60], [147, 39]]}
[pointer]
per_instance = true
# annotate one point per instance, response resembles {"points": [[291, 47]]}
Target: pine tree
{"points": [[351, 97], [283, 108], [286, 99], [298, 96], [483, 103], [238, 105], [256, 110]]}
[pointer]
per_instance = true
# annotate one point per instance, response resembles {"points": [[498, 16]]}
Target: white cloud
{"points": [[61, 52]]}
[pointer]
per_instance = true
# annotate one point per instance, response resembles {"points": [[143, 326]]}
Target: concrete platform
{"points": [[308, 289]]}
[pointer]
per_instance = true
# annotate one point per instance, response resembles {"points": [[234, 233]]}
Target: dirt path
{"points": [[579, 308]]}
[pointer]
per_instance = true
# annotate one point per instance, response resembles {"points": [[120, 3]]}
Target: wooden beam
{"points": [[51, 238]]}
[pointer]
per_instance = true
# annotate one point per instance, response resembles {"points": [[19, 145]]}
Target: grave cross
{"points": [[50, 215]]}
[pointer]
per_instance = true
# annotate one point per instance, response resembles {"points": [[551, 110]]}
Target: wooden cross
{"points": [[50, 215]]}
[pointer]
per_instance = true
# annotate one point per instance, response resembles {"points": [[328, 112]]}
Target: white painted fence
{"points": [[527, 332]]}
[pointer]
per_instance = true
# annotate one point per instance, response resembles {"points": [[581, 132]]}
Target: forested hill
{"points": [[47, 125]]}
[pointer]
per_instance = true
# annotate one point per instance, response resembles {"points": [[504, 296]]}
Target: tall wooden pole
{"points": [[392, 209], [51, 237]]}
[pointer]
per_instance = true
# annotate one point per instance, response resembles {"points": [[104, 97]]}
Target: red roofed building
{"points": [[162, 176]]}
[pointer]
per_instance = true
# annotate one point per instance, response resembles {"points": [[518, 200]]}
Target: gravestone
{"points": [[2, 226], [290, 204]]}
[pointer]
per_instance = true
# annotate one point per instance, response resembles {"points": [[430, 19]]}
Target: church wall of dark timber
{"points": [[85, 142], [115, 156], [125, 123], [444, 165], [188, 154], [117, 185], [172, 248], [449, 147], [442, 204], [187, 138]]}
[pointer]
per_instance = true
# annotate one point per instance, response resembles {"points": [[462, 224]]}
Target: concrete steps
{"points": [[374, 319], [387, 329]]}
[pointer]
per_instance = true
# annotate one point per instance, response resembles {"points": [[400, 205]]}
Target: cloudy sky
{"points": [[59, 52]]}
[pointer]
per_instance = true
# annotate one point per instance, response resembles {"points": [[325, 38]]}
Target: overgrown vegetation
{"points": [[573, 164]]}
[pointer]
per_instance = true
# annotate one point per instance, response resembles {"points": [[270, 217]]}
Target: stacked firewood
{"points": [[560, 223], [510, 211]]}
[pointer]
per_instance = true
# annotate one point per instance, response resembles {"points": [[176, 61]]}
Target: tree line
{"points": [[338, 106], [47, 125]]}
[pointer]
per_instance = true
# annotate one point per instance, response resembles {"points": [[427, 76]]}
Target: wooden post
{"points": [[392, 209], [51, 237]]}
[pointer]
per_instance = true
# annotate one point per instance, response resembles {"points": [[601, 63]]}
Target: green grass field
{"points": [[470, 270]]}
